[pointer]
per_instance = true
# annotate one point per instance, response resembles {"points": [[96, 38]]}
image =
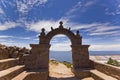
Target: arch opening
{"points": [[60, 48], [60, 56]]}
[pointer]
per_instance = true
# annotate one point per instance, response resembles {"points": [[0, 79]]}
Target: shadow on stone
{"points": [[67, 78]]}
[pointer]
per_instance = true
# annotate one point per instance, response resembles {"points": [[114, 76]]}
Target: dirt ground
{"points": [[61, 72]]}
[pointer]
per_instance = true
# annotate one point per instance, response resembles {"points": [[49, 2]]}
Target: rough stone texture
{"points": [[39, 75], [11, 51], [107, 69], [39, 57], [80, 56], [82, 73], [3, 52], [97, 75]]}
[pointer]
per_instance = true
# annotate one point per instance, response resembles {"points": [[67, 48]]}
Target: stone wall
{"points": [[12, 51], [107, 69]]}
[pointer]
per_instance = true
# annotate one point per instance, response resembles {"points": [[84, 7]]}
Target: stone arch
{"points": [[75, 39], [39, 57], [63, 31]]}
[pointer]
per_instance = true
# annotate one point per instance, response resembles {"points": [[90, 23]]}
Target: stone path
{"points": [[61, 72]]}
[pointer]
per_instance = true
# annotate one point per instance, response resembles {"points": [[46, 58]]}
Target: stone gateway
{"points": [[38, 60]]}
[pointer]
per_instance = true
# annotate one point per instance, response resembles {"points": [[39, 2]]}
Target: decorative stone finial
{"points": [[52, 28], [77, 33], [69, 28], [61, 26], [43, 32], [61, 22]]}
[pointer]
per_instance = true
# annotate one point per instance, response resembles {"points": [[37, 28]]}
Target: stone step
{"points": [[97, 75], [7, 63], [9, 73], [69, 78], [88, 78], [21, 76], [82, 73]]}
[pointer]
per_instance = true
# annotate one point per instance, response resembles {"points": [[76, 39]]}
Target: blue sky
{"points": [[98, 21]]}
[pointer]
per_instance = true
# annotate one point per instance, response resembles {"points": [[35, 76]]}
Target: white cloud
{"points": [[4, 36], [42, 24], [60, 35], [60, 39], [74, 8], [115, 10], [103, 28], [60, 43], [14, 43], [7, 25], [22, 7], [66, 46], [93, 28], [26, 5], [79, 6], [27, 38], [3, 3], [100, 29], [2, 40], [82, 26], [1, 11], [43, 1], [96, 28], [110, 47], [47, 24], [105, 33], [61, 47], [89, 3]]}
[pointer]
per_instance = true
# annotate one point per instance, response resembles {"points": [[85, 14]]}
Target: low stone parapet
{"points": [[107, 69]]}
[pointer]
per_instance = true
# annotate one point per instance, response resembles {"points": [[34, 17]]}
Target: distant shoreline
{"points": [[103, 54], [93, 52], [94, 55], [105, 57]]}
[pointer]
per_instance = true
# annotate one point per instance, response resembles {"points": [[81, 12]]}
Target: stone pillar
{"points": [[80, 56], [39, 57], [37, 63]]}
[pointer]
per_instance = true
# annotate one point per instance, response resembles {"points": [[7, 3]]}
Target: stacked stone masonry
{"points": [[40, 52]]}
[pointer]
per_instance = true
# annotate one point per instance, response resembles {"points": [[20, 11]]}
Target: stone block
{"points": [[81, 73], [37, 75]]}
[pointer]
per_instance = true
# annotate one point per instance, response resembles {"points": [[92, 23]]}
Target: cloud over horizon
{"points": [[98, 21]]}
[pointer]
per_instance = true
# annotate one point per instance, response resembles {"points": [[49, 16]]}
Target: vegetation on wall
{"points": [[54, 62], [67, 64], [113, 62]]}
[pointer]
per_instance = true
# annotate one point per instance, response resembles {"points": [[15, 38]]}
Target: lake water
{"points": [[67, 55]]}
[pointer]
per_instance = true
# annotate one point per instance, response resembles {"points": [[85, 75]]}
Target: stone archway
{"points": [[39, 57]]}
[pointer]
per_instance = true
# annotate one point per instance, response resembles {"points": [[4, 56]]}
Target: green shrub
{"points": [[113, 62], [67, 64], [54, 62]]}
